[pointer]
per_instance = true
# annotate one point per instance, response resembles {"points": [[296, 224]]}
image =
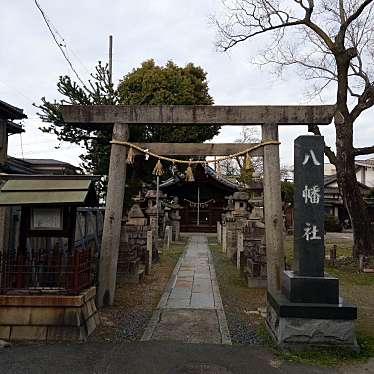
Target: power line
{"points": [[52, 29], [18, 92], [23, 156]]}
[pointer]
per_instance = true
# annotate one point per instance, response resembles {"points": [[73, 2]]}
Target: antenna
{"points": [[110, 59]]}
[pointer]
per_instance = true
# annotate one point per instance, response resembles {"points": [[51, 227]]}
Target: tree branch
{"points": [[356, 14], [235, 39], [328, 151], [365, 101], [364, 151]]}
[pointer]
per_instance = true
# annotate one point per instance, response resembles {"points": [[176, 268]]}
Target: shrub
{"points": [[332, 223]]}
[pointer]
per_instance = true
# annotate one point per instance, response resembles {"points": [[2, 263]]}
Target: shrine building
{"points": [[204, 199]]}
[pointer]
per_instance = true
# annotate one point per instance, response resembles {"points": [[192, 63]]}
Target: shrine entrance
{"points": [[202, 201], [120, 116]]}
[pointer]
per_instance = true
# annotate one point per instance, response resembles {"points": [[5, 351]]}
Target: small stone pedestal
{"points": [[309, 311], [47, 318]]}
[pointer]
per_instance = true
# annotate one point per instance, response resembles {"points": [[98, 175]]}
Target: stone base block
{"points": [[254, 282], [300, 289], [48, 317], [290, 331]]}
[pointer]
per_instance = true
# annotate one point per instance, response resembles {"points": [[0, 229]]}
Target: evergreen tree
{"points": [[149, 84]]}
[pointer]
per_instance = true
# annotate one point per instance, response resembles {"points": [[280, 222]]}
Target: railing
{"points": [[43, 271]]}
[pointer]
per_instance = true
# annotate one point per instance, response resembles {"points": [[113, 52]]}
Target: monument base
{"points": [[301, 289], [295, 325]]}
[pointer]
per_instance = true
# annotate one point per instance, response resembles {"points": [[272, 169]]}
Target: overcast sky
{"points": [[178, 30]]}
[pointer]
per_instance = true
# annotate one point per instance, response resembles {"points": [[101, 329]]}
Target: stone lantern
{"points": [[136, 216], [175, 218], [151, 211], [241, 204]]}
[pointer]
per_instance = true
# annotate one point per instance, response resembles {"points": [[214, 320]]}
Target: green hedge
{"points": [[332, 223]]}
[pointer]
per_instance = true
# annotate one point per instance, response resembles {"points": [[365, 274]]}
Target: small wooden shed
{"points": [[47, 294]]}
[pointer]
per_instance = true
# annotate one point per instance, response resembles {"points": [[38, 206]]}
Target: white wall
{"points": [[364, 174]]}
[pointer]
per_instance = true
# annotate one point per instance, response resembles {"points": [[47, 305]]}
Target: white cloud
{"points": [[163, 30]]}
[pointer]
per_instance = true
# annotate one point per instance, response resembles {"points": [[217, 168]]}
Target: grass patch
{"points": [[357, 288], [134, 304], [239, 301], [173, 253], [344, 248]]}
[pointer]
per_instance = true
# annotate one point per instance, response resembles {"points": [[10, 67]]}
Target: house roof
{"points": [[52, 190], [328, 179], [30, 165], [333, 178], [8, 111], [368, 162]]}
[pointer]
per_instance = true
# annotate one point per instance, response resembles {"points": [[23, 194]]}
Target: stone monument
{"points": [[308, 310]]}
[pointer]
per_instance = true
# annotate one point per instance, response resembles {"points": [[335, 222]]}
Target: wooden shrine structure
{"points": [[121, 116], [202, 201]]}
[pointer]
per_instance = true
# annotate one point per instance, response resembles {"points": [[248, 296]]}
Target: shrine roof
{"points": [[48, 190], [211, 172], [8, 111], [14, 128]]}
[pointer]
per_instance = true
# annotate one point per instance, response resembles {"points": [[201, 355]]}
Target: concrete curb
{"points": [[224, 329], [156, 316]]}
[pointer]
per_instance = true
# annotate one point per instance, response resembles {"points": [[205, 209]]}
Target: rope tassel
{"points": [[218, 171], [130, 156], [189, 174], [158, 169], [248, 162]]}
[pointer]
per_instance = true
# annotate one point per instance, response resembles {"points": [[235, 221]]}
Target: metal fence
{"points": [[42, 271]]}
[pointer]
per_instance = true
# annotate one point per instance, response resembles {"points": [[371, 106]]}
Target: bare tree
{"points": [[230, 168], [250, 134], [331, 44]]}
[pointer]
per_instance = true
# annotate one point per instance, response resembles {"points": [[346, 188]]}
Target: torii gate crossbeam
{"points": [[269, 117]]}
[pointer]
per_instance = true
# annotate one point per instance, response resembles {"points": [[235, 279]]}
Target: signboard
{"points": [[46, 219]]}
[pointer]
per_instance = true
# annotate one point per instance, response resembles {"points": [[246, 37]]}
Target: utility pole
{"points": [[110, 59]]}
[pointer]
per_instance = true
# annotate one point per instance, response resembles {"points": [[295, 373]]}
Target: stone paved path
{"points": [[190, 309]]}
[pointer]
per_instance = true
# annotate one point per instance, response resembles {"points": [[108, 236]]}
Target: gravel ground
{"points": [[241, 331], [134, 304], [240, 302]]}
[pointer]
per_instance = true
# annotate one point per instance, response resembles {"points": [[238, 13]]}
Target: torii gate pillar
{"points": [[113, 216], [273, 210]]}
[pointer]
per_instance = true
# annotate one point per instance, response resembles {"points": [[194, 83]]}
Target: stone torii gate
{"points": [[120, 116]]}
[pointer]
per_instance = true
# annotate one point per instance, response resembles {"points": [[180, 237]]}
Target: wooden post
{"points": [[224, 239], [167, 237], [148, 263], [240, 248], [113, 217], [273, 210], [219, 232]]}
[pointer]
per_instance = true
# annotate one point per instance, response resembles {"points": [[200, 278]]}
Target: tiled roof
{"points": [[30, 166], [8, 111], [210, 171], [368, 162]]}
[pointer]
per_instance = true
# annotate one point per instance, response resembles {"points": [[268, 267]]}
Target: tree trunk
{"points": [[363, 234]]}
